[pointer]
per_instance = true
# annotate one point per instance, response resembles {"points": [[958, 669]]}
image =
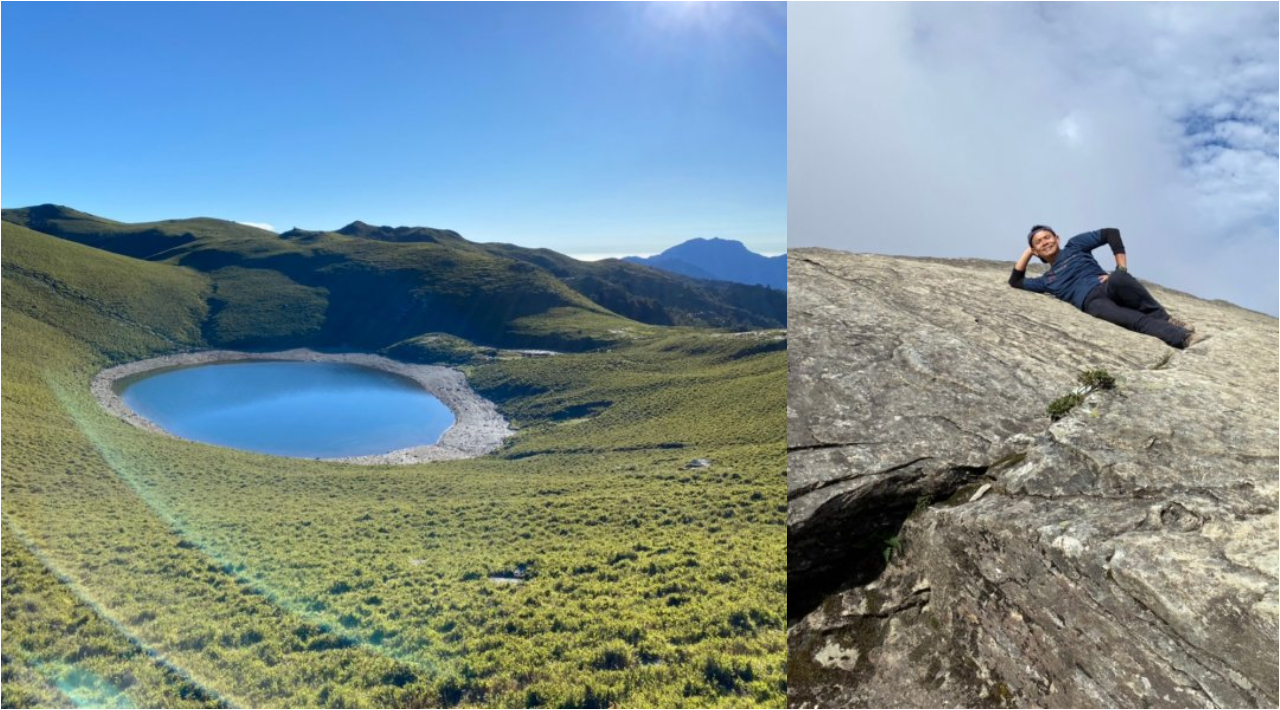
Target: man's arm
{"points": [[1018, 278], [1112, 235]]}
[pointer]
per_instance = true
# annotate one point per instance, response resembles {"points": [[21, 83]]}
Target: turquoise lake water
{"points": [[301, 409]]}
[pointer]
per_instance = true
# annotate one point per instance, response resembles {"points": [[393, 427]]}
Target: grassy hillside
{"points": [[144, 570], [414, 280], [658, 297]]}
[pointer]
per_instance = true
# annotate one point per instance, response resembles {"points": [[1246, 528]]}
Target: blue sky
{"points": [[948, 129], [588, 128]]}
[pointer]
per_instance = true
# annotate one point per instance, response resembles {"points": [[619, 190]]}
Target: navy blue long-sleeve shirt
{"points": [[1075, 272]]}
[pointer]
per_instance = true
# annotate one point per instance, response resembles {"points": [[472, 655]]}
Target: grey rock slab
{"points": [[1125, 555]]}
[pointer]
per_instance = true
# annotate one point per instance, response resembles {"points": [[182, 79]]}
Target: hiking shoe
{"points": [[1193, 338], [1173, 320]]}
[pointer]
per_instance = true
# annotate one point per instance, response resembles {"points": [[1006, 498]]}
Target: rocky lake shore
{"points": [[477, 430]]}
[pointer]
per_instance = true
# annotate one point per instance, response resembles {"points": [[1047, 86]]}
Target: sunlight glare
{"points": [[677, 15]]}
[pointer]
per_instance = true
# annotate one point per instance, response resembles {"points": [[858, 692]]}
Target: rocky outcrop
{"points": [[951, 546]]}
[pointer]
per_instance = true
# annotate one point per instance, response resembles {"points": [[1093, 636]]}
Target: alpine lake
{"points": [[297, 409]]}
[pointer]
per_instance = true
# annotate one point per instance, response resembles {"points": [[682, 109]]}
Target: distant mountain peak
{"points": [[718, 243], [712, 240], [719, 259]]}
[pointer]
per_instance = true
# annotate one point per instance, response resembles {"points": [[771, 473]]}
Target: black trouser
{"points": [[1122, 300]]}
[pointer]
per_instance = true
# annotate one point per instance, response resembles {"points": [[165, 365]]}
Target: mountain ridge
{"points": [[719, 259], [426, 280]]}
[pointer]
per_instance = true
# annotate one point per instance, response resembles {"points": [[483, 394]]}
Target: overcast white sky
{"points": [[948, 129]]}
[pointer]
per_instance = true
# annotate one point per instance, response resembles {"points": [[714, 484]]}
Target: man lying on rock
{"points": [[1075, 277]]}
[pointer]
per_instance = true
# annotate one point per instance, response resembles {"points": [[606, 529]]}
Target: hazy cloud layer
{"points": [[260, 225], [948, 129]]}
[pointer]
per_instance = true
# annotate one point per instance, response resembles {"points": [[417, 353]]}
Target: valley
{"points": [[585, 563]]}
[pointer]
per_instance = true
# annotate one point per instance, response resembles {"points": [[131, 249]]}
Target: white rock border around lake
{"points": [[478, 428]]}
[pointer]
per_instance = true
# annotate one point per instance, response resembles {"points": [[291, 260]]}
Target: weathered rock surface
{"points": [[1123, 556]]}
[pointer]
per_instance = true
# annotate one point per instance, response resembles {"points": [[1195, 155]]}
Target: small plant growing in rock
{"points": [[892, 546], [1096, 380], [1059, 407], [1090, 381]]}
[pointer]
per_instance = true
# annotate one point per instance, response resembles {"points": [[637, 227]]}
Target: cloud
{"points": [[1069, 129], [947, 129], [597, 256], [260, 225]]}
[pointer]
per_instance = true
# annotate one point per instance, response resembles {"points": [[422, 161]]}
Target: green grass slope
{"points": [[143, 570], [655, 296], [413, 280], [371, 293]]}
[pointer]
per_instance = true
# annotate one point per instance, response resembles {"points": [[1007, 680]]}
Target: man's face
{"points": [[1044, 244]]}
